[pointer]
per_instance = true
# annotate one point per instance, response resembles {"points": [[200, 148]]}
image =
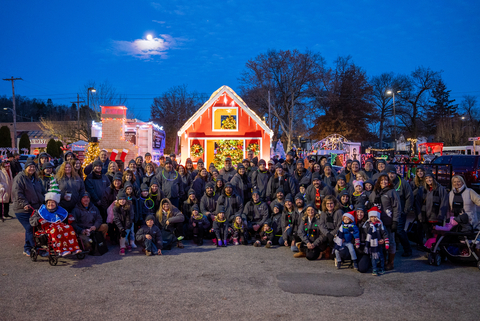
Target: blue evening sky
{"points": [[58, 46]]}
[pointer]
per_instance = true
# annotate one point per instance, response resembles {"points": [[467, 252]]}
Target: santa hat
{"points": [[350, 216], [53, 191], [374, 211]]}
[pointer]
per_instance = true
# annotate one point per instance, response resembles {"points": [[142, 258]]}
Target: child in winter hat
{"points": [[346, 235], [376, 240]]}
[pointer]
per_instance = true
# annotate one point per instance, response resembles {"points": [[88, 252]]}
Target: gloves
{"points": [[387, 246], [123, 233], [357, 243], [394, 226]]}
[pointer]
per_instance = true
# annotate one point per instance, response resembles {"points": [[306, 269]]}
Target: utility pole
{"points": [[78, 113], [270, 124], [14, 111]]}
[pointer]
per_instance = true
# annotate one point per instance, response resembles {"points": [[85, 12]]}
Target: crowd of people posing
{"points": [[317, 213]]}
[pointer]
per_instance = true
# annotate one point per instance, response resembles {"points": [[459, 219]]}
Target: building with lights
{"points": [[224, 127], [132, 136]]}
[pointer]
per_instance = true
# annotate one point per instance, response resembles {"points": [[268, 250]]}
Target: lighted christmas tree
{"points": [[92, 152], [228, 148], [279, 150], [229, 123]]}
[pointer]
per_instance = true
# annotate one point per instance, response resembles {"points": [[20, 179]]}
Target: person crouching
{"points": [[313, 241], [150, 236], [198, 224], [220, 227]]}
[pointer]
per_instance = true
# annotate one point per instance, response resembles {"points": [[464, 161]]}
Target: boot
{"points": [[389, 266], [327, 254]]}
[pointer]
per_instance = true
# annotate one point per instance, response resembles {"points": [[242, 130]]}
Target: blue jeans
{"points": [[23, 218], [351, 250], [131, 234], [150, 246], [381, 259]]}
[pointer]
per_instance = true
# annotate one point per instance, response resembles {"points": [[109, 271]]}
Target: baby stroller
{"points": [[43, 244], [456, 247]]}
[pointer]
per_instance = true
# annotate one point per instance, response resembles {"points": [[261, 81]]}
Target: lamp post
{"points": [[90, 89], [391, 92], [14, 126]]}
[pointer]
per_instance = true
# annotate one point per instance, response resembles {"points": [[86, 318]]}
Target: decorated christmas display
{"points": [[124, 138], [224, 127], [228, 148], [91, 153], [279, 150]]}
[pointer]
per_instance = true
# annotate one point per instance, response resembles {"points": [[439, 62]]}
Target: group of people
{"points": [[304, 205]]}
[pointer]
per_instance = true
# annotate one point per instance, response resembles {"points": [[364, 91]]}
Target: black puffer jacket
{"points": [[388, 203], [122, 217], [86, 217]]}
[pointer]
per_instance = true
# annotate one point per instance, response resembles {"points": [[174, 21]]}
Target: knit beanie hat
{"points": [[97, 163], [154, 182], [150, 217], [117, 177], [191, 191], [210, 185], [29, 162], [121, 195], [262, 161], [299, 196], [357, 183], [289, 198], [195, 208], [280, 190], [315, 176], [144, 187]]}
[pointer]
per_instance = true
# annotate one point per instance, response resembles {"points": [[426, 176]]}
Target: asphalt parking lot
{"points": [[233, 283]]}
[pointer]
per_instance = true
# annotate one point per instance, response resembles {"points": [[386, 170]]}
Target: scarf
{"points": [[371, 242]]}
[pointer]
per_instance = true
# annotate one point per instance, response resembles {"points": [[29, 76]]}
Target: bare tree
{"points": [[105, 95], [172, 109], [289, 76]]}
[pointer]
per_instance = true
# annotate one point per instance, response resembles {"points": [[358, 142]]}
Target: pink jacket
{"points": [[5, 185]]}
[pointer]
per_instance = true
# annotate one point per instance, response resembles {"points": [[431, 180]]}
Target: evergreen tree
{"points": [[5, 137], [24, 143], [52, 148], [440, 108]]}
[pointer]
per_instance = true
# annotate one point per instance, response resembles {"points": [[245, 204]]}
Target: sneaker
{"points": [[355, 265], [27, 252], [381, 272], [65, 253], [338, 264], [375, 273], [269, 245], [236, 243], [219, 243], [294, 248], [129, 248], [132, 244], [148, 253], [214, 241], [122, 251], [256, 244], [180, 245]]}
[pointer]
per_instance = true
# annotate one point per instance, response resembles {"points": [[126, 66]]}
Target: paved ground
{"points": [[234, 283]]}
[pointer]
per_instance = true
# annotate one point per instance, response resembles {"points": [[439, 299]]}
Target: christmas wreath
{"points": [[196, 150], [229, 123], [254, 148]]}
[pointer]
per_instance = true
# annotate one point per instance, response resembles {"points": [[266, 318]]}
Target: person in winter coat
{"points": [[51, 219], [150, 236], [316, 192], [359, 196], [42, 159], [314, 242], [137, 219], [266, 236], [381, 169], [71, 186], [289, 223], [283, 179], [123, 217], [406, 202], [302, 175], [417, 186], [231, 203], [377, 239], [28, 195], [170, 183], [369, 170], [219, 186], [199, 183], [6, 180], [198, 225], [45, 174], [67, 158], [463, 200], [255, 213], [344, 199], [240, 231], [138, 174], [276, 224], [342, 185], [280, 199], [241, 184], [146, 205], [208, 201], [149, 174], [260, 178], [112, 171], [88, 219], [188, 205], [355, 169], [289, 164], [186, 182], [129, 177], [221, 227], [361, 219], [96, 184], [385, 198], [155, 194], [227, 172], [347, 236], [170, 218], [110, 195], [330, 219], [435, 200], [328, 176], [189, 169]]}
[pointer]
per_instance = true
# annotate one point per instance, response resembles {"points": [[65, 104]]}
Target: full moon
{"points": [[149, 37]]}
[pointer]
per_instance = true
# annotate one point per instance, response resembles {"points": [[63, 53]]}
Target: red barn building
{"points": [[225, 121]]}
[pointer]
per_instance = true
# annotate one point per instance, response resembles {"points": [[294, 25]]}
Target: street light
{"points": [[14, 125], [90, 89], [391, 92]]}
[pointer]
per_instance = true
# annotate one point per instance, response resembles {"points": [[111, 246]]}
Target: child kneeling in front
{"points": [[198, 224], [376, 238], [150, 236], [347, 233]]}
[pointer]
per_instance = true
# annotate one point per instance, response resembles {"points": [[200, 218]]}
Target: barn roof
{"points": [[219, 92]]}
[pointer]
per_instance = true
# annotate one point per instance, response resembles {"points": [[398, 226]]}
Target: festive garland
{"points": [[254, 148], [229, 123], [196, 150]]}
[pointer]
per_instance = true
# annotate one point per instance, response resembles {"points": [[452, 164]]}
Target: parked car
{"points": [[23, 159], [466, 166]]}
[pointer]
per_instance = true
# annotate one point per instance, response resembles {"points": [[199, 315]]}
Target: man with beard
{"points": [[280, 199], [302, 175], [289, 164], [256, 214], [299, 203], [170, 183], [231, 203], [227, 172], [208, 201], [260, 179], [139, 162], [316, 192]]}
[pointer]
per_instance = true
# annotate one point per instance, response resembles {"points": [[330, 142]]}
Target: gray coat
{"points": [[405, 194], [208, 204], [86, 217], [330, 223], [312, 191], [26, 191], [436, 204], [389, 205], [259, 180], [255, 213], [74, 186], [233, 206], [171, 183], [227, 175], [153, 231]]}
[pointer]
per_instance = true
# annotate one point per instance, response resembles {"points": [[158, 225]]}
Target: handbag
{"points": [[110, 213]]}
